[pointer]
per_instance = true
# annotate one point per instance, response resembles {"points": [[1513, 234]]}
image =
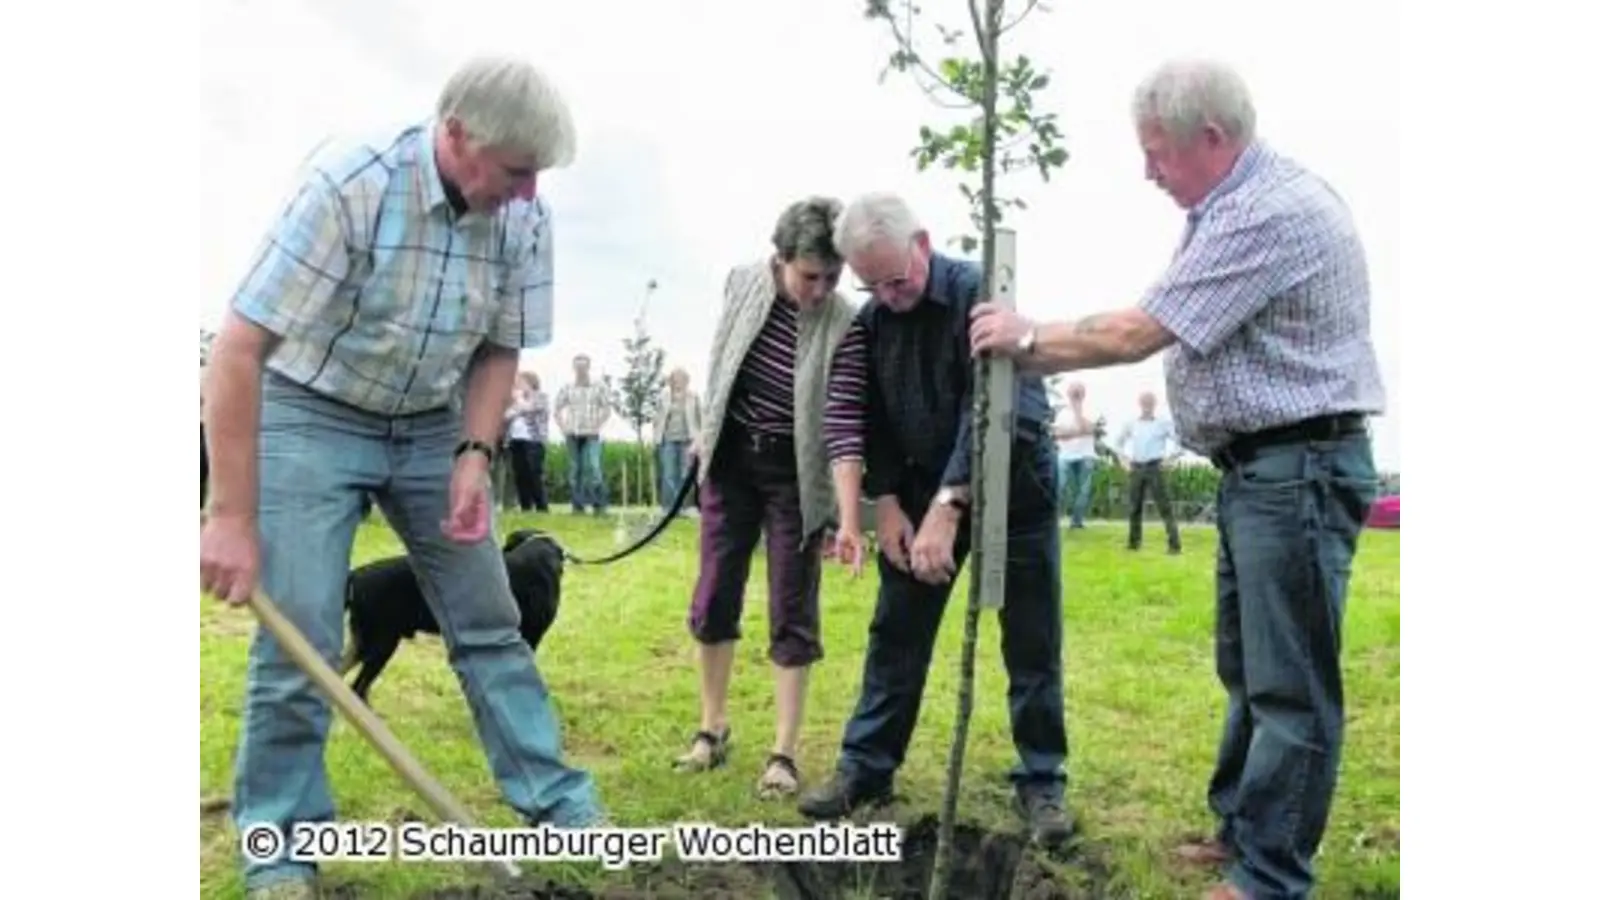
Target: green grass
{"points": [[1143, 709]]}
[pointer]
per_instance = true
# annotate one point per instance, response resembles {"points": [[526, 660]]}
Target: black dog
{"points": [[386, 606]]}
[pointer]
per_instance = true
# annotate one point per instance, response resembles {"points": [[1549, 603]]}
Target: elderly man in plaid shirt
{"points": [[581, 411], [1264, 314], [372, 348]]}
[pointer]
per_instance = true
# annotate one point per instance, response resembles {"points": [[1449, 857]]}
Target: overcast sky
{"points": [[700, 119]]}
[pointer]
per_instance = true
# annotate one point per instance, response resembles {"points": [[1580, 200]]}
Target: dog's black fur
{"points": [[386, 606]]}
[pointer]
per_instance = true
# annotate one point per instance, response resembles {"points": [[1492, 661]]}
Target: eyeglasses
{"points": [[892, 284]]}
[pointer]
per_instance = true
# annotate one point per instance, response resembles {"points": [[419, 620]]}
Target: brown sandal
{"points": [[1204, 852], [714, 756], [781, 778]]}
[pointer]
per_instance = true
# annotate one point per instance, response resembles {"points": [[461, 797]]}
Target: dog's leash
{"points": [[655, 531]]}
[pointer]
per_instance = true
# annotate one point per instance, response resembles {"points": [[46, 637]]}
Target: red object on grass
{"points": [[1385, 513]]}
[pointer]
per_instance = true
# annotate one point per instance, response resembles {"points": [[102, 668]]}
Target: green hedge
{"points": [[614, 457], [1192, 486]]}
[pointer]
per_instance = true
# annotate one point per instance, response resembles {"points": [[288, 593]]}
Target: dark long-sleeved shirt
{"points": [[900, 387]]}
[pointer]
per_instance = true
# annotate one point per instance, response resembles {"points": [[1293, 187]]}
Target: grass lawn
{"points": [[1143, 714]]}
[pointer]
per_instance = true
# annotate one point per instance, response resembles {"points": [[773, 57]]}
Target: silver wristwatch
{"points": [[1026, 342], [948, 497]]}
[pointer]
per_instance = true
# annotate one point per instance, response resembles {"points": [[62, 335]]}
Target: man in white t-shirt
{"points": [[1075, 456]]}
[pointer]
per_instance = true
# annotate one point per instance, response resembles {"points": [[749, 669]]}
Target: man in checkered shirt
{"points": [[371, 348], [1271, 372]]}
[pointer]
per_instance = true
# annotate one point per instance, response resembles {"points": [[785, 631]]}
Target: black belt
{"points": [[761, 441], [1246, 447]]}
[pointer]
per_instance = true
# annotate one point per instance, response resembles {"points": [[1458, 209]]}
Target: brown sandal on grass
{"points": [[781, 779], [1204, 851], [706, 752]]}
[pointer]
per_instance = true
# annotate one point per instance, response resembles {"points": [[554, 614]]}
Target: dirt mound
{"points": [[987, 866]]}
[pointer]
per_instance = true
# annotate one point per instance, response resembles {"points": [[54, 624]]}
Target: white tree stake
{"points": [[997, 437]]}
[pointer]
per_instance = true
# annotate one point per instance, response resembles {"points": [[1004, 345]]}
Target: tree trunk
{"points": [[988, 40]]}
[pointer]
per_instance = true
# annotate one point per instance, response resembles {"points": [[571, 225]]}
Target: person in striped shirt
{"points": [[371, 349], [1264, 314], [762, 466]]}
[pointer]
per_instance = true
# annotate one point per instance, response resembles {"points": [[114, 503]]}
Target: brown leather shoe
{"points": [[1226, 891], [1204, 852]]}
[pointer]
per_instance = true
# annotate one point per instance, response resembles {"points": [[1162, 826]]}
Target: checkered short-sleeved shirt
{"points": [[379, 292], [1269, 300]]}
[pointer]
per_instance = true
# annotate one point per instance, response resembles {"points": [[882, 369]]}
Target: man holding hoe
{"points": [[405, 266]]}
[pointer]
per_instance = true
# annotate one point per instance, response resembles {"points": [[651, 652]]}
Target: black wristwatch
{"points": [[479, 446]]}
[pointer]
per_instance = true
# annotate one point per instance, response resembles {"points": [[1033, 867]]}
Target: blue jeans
{"points": [[585, 479], [1288, 522], [673, 460], [317, 459], [1077, 485], [905, 625]]}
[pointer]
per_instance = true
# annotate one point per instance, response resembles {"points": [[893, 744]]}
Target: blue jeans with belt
{"points": [[1288, 522], [317, 460]]}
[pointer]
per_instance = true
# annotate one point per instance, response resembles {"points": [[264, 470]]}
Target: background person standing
{"points": [[1145, 446], [1074, 432], [581, 412]]}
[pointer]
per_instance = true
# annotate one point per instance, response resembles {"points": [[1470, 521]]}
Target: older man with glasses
{"points": [[899, 426]]}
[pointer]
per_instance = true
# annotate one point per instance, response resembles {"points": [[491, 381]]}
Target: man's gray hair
{"points": [[805, 230], [510, 105], [875, 217], [1182, 97]]}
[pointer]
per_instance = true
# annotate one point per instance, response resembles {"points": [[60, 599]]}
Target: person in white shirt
{"points": [[527, 430], [1144, 445], [1075, 456]]}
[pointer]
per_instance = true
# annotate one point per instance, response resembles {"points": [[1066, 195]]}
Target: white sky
{"points": [[686, 156]]}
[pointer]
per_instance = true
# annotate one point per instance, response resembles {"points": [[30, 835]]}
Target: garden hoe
{"points": [[365, 720]]}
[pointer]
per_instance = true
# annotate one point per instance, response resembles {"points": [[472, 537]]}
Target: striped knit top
{"points": [[763, 394], [844, 419]]}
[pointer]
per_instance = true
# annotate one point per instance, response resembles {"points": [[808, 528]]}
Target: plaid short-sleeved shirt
{"points": [[1269, 299], [379, 292]]}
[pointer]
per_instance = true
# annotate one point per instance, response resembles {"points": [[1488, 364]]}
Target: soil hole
{"points": [[987, 866]]}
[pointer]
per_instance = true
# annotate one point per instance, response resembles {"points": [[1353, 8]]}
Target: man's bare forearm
{"points": [[1069, 346], [1092, 342], [233, 416], [489, 382]]}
